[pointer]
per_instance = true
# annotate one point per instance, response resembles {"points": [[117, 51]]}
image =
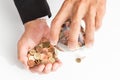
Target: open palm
{"points": [[34, 31]]}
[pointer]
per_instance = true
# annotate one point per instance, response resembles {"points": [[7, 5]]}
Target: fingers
{"points": [[73, 35], [80, 10], [56, 65], [24, 45], [90, 26], [57, 22], [38, 69], [46, 68], [42, 68], [100, 13]]}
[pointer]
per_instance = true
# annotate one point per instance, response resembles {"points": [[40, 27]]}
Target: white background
{"points": [[102, 61]]}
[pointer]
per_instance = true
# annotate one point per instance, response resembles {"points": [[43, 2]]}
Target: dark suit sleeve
{"points": [[32, 9]]}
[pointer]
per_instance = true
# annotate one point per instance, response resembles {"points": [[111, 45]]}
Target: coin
{"points": [[31, 58], [51, 49], [38, 49], [51, 59], [37, 56], [78, 60], [44, 50], [46, 44], [40, 45], [32, 52], [43, 56], [31, 63], [50, 54], [44, 61]]}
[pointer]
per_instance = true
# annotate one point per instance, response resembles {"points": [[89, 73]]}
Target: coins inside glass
{"points": [[64, 36]]}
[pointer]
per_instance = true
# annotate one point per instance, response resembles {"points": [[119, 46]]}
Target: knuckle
{"points": [[72, 40], [88, 41], [92, 10], [91, 40], [92, 7]]}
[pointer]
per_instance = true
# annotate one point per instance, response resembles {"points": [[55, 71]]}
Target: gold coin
{"points": [[37, 56], [40, 45], [31, 58], [49, 54], [51, 49], [38, 49], [78, 60], [42, 56], [31, 63], [46, 44], [44, 61], [51, 59], [44, 50], [55, 56], [32, 52]]}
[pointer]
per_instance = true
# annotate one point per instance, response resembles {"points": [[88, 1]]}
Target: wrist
{"points": [[36, 24], [44, 18]]}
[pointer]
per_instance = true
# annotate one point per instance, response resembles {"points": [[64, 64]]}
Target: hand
{"points": [[91, 11], [34, 31]]}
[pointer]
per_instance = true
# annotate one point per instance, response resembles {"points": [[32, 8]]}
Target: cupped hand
{"points": [[34, 31]]}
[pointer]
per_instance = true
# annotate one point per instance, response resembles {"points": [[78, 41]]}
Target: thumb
{"points": [[22, 54]]}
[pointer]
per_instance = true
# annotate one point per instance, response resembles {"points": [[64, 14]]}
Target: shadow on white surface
{"points": [[10, 31]]}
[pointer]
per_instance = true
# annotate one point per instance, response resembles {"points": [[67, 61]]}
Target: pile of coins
{"points": [[64, 34], [43, 53]]}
